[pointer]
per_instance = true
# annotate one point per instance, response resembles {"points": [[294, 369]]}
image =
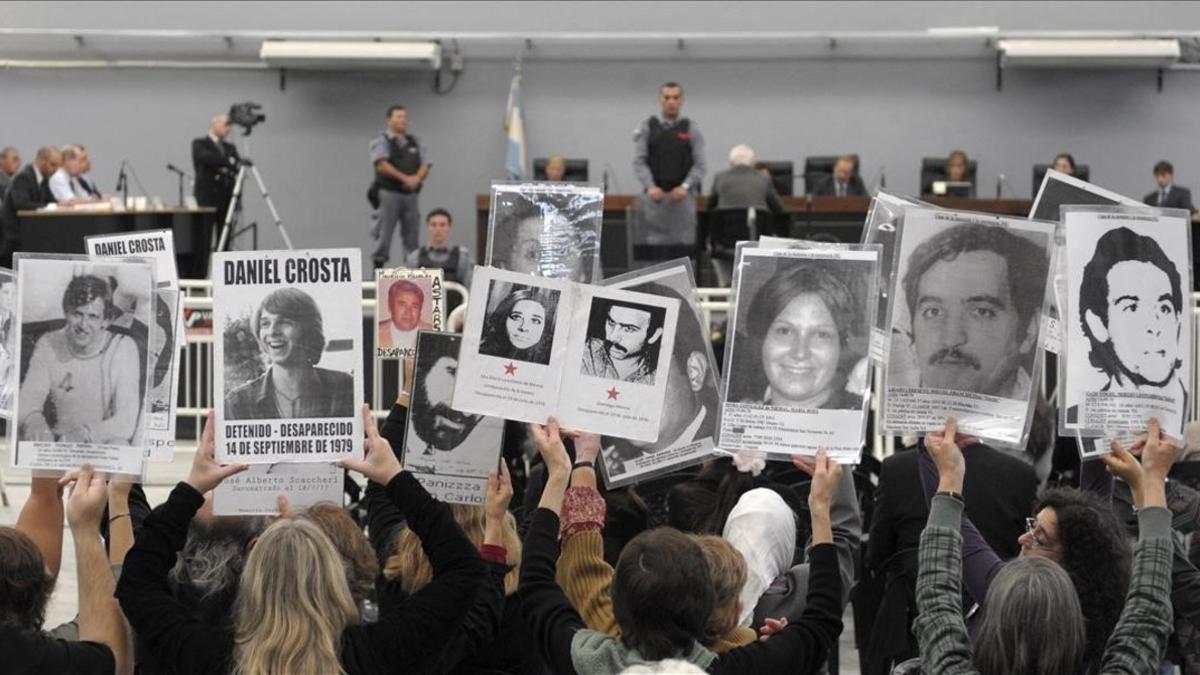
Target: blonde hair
{"points": [[727, 569], [293, 603], [409, 566], [352, 546]]}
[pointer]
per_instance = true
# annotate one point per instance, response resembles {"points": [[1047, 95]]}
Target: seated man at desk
{"points": [[741, 186], [29, 191], [65, 184], [843, 182]]}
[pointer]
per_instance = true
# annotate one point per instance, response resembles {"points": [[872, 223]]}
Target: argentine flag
{"points": [[514, 125]]}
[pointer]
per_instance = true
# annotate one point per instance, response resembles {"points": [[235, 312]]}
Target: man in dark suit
{"points": [[216, 163], [998, 499], [1168, 195], [843, 182], [28, 191]]}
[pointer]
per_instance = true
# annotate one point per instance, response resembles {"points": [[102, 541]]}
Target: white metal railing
{"points": [[196, 364]]}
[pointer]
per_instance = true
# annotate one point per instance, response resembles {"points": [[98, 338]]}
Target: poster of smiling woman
{"points": [[289, 354], [1128, 317], [82, 351]]}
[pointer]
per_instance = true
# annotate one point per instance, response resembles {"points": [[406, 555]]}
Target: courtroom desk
{"points": [[63, 230], [838, 217]]}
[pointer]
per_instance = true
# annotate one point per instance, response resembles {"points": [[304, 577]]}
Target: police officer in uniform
{"points": [[401, 165], [456, 262], [669, 163]]}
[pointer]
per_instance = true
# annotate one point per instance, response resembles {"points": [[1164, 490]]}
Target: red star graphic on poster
{"points": [[613, 394], [510, 369]]}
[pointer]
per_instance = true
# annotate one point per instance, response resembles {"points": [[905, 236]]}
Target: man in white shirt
{"points": [[64, 183]]}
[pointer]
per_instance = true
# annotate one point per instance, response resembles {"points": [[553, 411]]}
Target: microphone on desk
{"points": [[1003, 180], [121, 177], [172, 167]]}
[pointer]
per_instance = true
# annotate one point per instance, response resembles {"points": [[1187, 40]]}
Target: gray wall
{"points": [[312, 150]]}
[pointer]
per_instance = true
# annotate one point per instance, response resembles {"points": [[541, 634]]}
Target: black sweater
{"points": [[403, 638], [801, 647]]}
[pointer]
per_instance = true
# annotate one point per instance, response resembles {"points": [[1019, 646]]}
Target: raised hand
{"points": [[379, 463], [826, 475], [944, 447], [1158, 454], [499, 494], [548, 441], [89, 495], [205, 473]]}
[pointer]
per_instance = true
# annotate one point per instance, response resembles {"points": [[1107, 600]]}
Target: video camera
{"points": [[246, 115]]}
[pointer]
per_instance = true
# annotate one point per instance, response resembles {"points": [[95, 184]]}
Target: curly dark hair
{"points": [[1097, 557]]}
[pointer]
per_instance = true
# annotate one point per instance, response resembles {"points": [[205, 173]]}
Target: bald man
{"points": [[29, 190], [10, 164], [216, 163]]}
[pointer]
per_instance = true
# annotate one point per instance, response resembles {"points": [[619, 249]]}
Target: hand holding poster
{"points": [[407, 301], [1129, 337], [547, 230], [596, 358], [968, 299], [82, 351], [449, 452], [289, 355], [688, 426], [798, 342]]}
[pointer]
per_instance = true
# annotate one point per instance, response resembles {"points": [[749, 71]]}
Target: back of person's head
{"points": [[293, 603], [701, 506], [210, 565], [25, 584], [665, 667], [409, 566], [763, 528], [727, 569], [1097, 557], [741, 155], [1032, 624], [661, 598], [347, 537]]}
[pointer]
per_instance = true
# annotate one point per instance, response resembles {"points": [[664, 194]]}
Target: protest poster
{"points": [[255, 491], [166, 331], [967, 303], [289, 355], [688, 426], [448, 451], [596, 358], [8, 341], [83, 354], [798, 339], [885, 218], [549, 230], [1128, 320], [406, 301]]}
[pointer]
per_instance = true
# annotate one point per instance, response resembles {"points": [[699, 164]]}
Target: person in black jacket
{"points": [[216, 163], [271, 600], [843, 182], [28, 191], [1168, 195]]}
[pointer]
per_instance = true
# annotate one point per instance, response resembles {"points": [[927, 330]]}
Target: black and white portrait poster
{"points": [[967, 305], [596, 358], [83, 354], [547, 230], [688, 426], [1128, 316], [449, 452], [406, 301], [799, 333], [1058, 189], [885, 218], [157, 247], [288, 329], [8, 341], [255, 491]]}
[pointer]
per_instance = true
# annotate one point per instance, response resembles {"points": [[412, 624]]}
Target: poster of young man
{"points": [[288, 328], [800, 328], [449, 452], [688, 426], [594, 357], [255, 491], [82, 333], [158, 248], [967, 305], [547, 230], [8, 341], [407, 301], [1129, 327]]}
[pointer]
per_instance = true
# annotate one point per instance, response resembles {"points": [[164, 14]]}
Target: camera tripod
{"points": [[233, 215]]}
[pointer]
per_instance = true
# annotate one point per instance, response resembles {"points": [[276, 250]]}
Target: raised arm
{"points": [[100, 618], [120, 522], [41, 519]]}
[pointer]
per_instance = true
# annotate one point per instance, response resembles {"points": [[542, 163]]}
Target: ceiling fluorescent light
{"points": [[347, 54], [1127, 53]]}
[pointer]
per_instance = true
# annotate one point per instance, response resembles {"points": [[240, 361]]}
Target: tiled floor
{"points": [[159, 481]]}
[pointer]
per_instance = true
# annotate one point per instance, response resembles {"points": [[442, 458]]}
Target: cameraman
{"points": [[216, 163], [401, 165]]}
